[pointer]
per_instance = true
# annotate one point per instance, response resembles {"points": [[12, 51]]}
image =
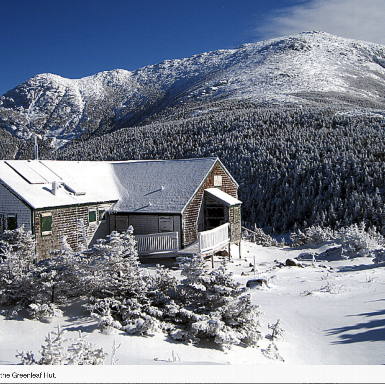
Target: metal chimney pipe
{"points": [[54, 187]]}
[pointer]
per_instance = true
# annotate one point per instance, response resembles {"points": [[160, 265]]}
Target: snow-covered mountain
{"points": [[312, 68]]}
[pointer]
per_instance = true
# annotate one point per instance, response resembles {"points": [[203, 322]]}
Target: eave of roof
{"points": [[223, 197]]}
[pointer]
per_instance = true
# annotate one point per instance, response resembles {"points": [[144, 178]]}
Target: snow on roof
{"points": [[223, 197], [77, 182], [160, 186]]}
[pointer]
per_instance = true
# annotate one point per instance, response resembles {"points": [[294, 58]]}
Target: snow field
{"points": [[331, 314]]}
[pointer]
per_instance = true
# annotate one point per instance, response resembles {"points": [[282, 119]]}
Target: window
{"points": [[217, 181], [92, 216], [46, 224], [121, 223], [166, 223], [11, 222], [102, 215]]}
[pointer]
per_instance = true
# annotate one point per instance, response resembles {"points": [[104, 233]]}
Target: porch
{"points": [[167, 244]]}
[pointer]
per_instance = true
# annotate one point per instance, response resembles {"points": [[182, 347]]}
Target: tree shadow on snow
{"points": [[356, 268], [92, 326], [373, 330], [204, 344]]}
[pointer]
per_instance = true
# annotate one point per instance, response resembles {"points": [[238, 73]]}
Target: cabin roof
{"points": [[144, 186], [159, 186], [77, 182]]}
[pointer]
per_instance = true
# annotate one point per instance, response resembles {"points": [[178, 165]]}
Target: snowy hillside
{"points": [[311, 68]]}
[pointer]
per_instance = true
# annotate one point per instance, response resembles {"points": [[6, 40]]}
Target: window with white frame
{"points": [[217, 181], [92, 216], [46, 223]]}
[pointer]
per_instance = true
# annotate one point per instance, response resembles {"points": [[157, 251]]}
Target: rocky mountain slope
{"points": [[309, 69]]}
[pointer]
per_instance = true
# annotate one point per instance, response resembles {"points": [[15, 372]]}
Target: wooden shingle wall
{"points": [[66, 222], [190, 217], [235, 220]]}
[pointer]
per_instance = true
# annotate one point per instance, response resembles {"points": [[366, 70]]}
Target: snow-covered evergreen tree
{"points": [[114, 267], [80, 352], [16, 269], [215, 306]]}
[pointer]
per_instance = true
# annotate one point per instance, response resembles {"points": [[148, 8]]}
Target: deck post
{"points": [[212, 261], [240, 249]]}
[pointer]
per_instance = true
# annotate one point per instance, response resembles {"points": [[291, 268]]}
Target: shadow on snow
{"points": [[373, 330]]}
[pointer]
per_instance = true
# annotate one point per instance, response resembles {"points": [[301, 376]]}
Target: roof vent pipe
{"points": [[54, 187], [36, 147]]}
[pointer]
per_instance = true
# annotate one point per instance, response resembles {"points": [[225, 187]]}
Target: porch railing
{"points": [[214, 238], [157, 243]]}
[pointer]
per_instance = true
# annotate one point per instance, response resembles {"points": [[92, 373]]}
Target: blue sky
{"points": [[77, 38]]}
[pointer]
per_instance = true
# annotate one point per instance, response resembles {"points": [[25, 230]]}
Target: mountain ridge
{"points": [[310, 68]]}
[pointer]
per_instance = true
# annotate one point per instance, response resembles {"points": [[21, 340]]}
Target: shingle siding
{"points": [[236, 229], [65, 222], [191, 214]]}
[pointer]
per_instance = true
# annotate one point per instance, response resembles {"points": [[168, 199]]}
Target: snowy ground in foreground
{"points": [[332, 313]]}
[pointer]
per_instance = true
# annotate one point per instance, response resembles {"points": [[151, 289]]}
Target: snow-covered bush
{"points": [[142, 325], [318, 235], [356, 241], [312, 235], [60, 277], [205, 304], [378, 256], [271, 352], [119, 286], [19, 242], [16, 269], [24, 283], [44, 311], [258, 236], [276, 330], [298, 238], [114, 268], [217, 306], [110, 269], [80, 352]]}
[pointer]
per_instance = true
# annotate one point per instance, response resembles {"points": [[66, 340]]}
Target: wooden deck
{"points": [[191, 250], [163, 245]]}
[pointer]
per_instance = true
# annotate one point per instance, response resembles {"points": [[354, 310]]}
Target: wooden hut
{"points": [[167, 202]]}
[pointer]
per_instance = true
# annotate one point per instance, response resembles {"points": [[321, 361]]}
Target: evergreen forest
{"points": [[296, 166]]}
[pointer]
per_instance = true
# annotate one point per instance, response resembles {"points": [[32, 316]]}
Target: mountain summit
{"points": [[311, 68]]}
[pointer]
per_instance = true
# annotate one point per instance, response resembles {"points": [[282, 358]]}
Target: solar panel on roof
{"points": [[26, 172], [58, 169], [35, 172], [44, 171]]}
